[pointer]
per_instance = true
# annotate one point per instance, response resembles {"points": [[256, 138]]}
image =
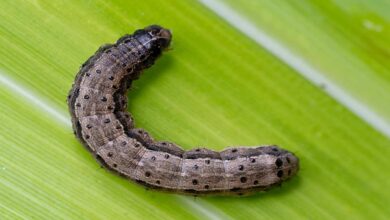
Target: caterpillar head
{"points": [[161, 36], [154, 37]]}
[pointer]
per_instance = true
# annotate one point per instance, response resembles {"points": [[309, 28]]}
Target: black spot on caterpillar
{"points": [[97, 104]]}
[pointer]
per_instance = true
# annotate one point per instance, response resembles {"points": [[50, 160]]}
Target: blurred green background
{"points": [[216, 87]]}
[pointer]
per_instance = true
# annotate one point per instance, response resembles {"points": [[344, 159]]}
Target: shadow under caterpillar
{"points": [[97, 104]]}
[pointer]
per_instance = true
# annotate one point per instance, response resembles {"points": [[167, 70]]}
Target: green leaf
{"points": [[215, 88]]}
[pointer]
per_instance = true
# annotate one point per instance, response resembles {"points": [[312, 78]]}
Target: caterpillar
{"points": [[97, 103]]}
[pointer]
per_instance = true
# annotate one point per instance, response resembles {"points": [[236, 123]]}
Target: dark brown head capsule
{"points": [[148, 43]]}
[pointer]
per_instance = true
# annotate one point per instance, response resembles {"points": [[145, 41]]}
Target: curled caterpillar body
{"points": [[98, 101]]}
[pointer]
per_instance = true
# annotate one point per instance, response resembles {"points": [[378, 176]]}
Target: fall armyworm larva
{"points": [[97, 103]]}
